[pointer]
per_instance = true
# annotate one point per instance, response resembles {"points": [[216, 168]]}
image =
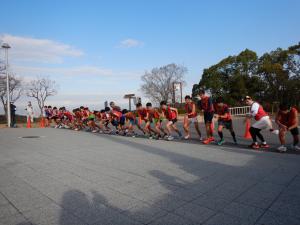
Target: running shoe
{"points": [[295, 148], [221, 142], [170, 138], [254, 146], [187, 137], [265, 146], [282, 148], [275, 132], [208, 140]]}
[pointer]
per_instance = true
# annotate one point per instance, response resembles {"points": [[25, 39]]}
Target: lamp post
{"points": [[6, 47]]}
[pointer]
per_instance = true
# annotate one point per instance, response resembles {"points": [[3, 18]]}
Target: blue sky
{"points": [[98, 50]]}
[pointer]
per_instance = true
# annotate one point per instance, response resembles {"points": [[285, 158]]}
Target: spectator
{"points": [[30, 112], [13, 114]]}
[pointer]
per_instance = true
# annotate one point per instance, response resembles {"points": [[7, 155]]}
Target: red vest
{"points": [[142, 113], [205, 105], [189, 108], [170, 114], [222, 111], [260, 113]]}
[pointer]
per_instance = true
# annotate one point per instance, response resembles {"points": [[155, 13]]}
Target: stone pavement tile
{"points": [[120, 201], [261, 195], [271, 218], [241, 184], [144, 213], [17, 219], [117, 220], [25, 198], [91, 213], [3, 201], [246, 213], [211, 202], [169, 202], [196, 213], [51, 215], [281, 178], [224, 219], [172, 219], [288, 204], [186, 194], [224, 193], [202, 186], [7, 211]]}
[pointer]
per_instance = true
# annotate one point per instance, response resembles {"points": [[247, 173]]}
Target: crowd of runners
{"points": [[147, 120]]}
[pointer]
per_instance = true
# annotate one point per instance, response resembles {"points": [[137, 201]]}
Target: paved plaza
{"points": [[73, 178]]}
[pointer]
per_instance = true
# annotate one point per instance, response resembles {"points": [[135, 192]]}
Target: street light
{"points": [[6, 47]]}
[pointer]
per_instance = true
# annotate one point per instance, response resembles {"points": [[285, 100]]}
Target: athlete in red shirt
{"points": [[206, 105], [287, 120], [154, 117], [224, 120], [190, 117], [170, 114]]}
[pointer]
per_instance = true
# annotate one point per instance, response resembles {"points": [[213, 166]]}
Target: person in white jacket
{"points": [[30, 112]]}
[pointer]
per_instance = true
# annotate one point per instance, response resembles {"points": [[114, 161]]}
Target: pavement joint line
{"points": [[275, 199], [14, 207], [36, 189]]}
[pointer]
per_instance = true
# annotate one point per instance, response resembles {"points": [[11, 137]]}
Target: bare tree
{"points": [[41, 89], [15, 89], [158, 84]]}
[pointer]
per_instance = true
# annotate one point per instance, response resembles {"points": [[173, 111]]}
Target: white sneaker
{"points": [[282, 148], [187, 137], [276, 132], [295, 147], [94, 131], [170, 138], [200, 139]]}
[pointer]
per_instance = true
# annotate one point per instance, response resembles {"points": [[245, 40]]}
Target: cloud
{"points": [[66, 71], [29, 49], [130, 43]]}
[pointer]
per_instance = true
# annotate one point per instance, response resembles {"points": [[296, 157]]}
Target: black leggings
{"points": [[255, 132]]}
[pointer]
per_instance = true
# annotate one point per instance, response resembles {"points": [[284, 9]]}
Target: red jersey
{"points": [[169, 113], [130, 116], [153, 114], [189, 109], [116, 114], [142, 113], [288, 119], [206, 104], [222, 111], [69, 115]]}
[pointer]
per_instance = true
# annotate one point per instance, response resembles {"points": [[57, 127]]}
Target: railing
{"points": [[239, 111]]}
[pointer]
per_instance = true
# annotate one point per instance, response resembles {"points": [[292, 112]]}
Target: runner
{"points": [[224, 120], [171, 114], [154, 117], [142, 114], [287, 120], [190, 117], [262, 122], [206, 105]]}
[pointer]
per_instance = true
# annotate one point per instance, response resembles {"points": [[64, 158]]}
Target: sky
{"points": [[98, 50]]}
